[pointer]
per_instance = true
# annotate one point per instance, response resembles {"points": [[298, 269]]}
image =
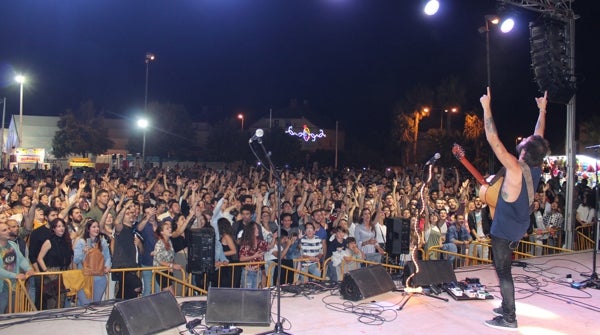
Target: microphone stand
{"points": [[593, 280], [278, 324], [412, 290]]}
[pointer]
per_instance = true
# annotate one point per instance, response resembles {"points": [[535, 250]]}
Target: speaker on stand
{"points": [[397, 241], [201, 254]]}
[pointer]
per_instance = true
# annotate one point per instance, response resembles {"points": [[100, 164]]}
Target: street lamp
{"points": [[418, 116], [505, 27], [21, 80], [143, 123], [149, 58], [241, 117], [449, 113], [446, 112]]}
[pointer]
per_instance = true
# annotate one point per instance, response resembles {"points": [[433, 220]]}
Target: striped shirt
{"points": [[311, 247]]}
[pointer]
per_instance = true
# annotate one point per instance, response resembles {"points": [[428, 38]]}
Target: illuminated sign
{"points": [[305, 134], [30, 155]]}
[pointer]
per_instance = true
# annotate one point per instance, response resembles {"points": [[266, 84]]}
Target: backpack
{"points": [[93, 263]]}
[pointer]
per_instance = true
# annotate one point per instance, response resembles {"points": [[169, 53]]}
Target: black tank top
{"points": [[60, 254], [124, 249]]}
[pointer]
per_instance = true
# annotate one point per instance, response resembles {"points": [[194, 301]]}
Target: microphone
{"points": [[257, 136], [597, 146], [433, 159]]}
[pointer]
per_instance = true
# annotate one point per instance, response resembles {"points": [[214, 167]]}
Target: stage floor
{"points": [[546, 304]]}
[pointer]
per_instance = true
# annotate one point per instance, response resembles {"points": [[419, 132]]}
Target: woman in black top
{"points": [[230, 251], [56, 254]]}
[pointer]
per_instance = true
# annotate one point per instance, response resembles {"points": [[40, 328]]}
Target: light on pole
{"points": [[241, 117], [418, 116], [21, 80], [449, 113], [149, 58], [143, 123], [506, 26], [493, 20]]}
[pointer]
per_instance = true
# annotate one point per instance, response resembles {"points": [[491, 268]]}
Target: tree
{"points": [[441, 141], [450, 92], [407, 115], [403, 134], [473, 132], [81, 133], [589, 131]]}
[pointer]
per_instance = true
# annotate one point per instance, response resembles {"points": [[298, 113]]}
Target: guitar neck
{"points": [[473, 171]]}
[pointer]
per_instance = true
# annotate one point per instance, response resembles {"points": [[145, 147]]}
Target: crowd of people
{"points": [[51, 220]]}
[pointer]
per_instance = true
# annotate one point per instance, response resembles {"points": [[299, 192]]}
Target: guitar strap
{"points": [[529, 182]]}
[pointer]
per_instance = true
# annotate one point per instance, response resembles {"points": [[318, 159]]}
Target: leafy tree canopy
{"points": [[81, 133]]}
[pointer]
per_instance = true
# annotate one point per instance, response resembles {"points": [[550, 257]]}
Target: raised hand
{"points": [[542, 101], [486, 99]]}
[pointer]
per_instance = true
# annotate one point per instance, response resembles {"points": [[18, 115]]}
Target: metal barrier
{"points": [[459, 259], [527, 249], [583, 238], [192, 284]]}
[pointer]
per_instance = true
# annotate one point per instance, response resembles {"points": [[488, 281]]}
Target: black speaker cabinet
{"points": [[366, 282], [397, 238], [201, 250], [146, 315], [430, 273], [238, 306]]}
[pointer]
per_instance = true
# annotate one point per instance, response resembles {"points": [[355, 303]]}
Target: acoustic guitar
{"points": [[490, 188]]}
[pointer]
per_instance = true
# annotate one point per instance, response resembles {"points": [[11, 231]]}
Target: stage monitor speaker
{"points": [[430, 273], [366, 282], [397, 239], [237, 306], [145, 315], [201, 250]]}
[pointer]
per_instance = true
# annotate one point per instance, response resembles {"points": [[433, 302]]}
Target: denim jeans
{"points": [[250, 279], [147, 281], [99, 288], [312, 268], [4, 298], [502, 250], [478, 250], [332, 271], [450, 247]]}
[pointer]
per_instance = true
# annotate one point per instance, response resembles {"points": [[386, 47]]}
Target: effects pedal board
{"points": [[222, 331]]}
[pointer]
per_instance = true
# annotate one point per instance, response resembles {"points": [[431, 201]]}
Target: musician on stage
{"points": [[511, 218]]}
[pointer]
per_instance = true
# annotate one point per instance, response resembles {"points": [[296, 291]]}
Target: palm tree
{"points": [[407, 115], [473, 132], [449, 94]]}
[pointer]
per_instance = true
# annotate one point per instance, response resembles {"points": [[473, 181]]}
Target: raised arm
{"points": [[509, 161], [540, 125]]}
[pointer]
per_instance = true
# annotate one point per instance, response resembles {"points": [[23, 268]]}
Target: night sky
{"points": [[351, 59]]}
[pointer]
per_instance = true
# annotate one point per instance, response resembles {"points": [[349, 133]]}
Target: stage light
{"points": [[507, 25], [431, 7]]}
